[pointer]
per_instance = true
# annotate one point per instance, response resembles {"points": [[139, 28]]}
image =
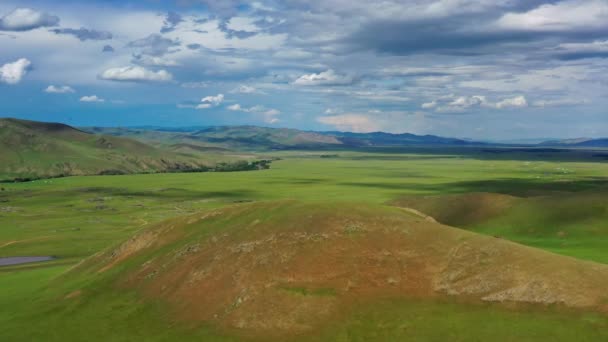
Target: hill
{"points": [[30, 149], [403, 139], [283, 269], [580, 142], [264, 138], [556, 221]]}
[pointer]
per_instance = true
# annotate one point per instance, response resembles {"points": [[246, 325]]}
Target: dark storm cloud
{"points": [[84, 34], [466, 36]]}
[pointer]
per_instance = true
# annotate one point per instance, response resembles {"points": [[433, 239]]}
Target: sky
{"points": [[478, 69]]}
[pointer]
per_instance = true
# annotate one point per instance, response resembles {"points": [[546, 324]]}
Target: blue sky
{"points": [[483, 69]]}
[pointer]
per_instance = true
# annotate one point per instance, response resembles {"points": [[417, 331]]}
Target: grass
{"points": [[75, 217], [412, 320]]}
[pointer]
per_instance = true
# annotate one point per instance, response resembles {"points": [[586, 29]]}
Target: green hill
{"points": [[31, 149], [563, 222]]}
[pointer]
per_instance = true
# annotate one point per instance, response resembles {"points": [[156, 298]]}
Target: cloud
{"points": [[462, 104], [560, 102], [269, 115], [568, 15], [245, 89], [84, 34], [573, 51], [238, 27], [235, 107], [107, 48], [171, 21], [25, 19], [135, 74], [327, 78], [195, 85], [12, 73], [154, 45], [358, 123], [91, 98], [429, 105], [211, 101], [59, 89], [154, 61], [515, 102]]}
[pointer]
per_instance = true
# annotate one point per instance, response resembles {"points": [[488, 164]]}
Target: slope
{"points": [[31, 149], [285, 269], [571, 223]]}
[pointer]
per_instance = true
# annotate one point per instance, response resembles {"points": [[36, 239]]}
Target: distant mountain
{"points": [[30, 149], [264, 138], [224, 138], [272, 138], [390, 139], [522, 141], [580, 142]]}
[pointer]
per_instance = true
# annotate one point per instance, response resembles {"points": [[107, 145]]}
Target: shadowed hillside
{"points": [[31, 150], [559, 221], [286, 269]]}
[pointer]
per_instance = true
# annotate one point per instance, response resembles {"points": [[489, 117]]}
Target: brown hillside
{"points": [[286, 267]]}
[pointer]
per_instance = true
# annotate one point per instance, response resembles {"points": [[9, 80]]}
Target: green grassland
{"points": [[561, 207]]}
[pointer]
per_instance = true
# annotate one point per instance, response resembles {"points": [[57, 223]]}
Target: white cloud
{"points": [[328, 77], [461, 104], [351, 123], [246, 89], [331, 111], [25, 19], [12, 73], [452, 104], [429, 105], [210, 101], [559, 102], [561, 16], [235, 107], [91, 98], [59, 89], [515, 102], [136, 74], [269, 115], [155, 61]]}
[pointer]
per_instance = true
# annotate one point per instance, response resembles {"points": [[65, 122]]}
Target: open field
{"points": [[556, 203]]}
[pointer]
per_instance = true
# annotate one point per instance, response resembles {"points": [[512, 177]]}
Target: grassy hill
{"points": [[287, 270], [31, 149], [557, 221]]}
